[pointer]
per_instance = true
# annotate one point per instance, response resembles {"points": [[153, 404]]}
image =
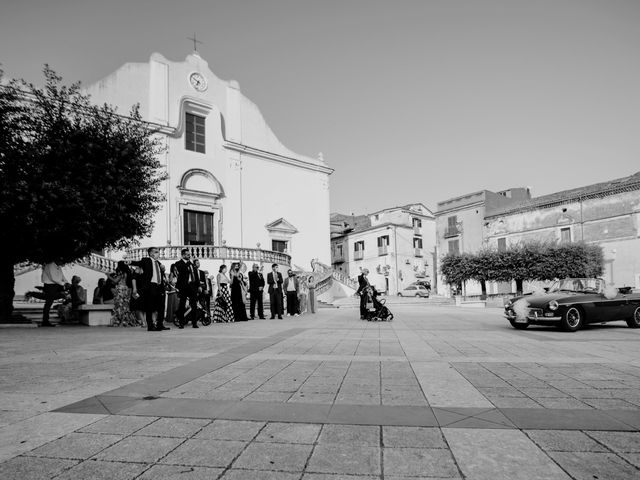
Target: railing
{"points": [[214, 252], [92, 261], [325, 276], [24, 267], [341, 277], [99, 263], [382, 250], [452, 231], [417, 231], [418, 252], [358, 255]]}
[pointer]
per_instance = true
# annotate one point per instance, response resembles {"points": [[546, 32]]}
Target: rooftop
{"points": [[631, 182]]}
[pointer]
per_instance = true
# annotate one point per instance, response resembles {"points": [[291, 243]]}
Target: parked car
{"points": [[574, 302], [414, 291], [426, 284]]}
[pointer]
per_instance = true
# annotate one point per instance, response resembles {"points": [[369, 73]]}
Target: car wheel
{"points": [[518, 326], [634, 321], [399, 294], [572, 319], [418, 295]]}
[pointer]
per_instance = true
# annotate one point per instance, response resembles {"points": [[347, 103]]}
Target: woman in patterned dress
{"points": [[122, 315], [222, 312]]}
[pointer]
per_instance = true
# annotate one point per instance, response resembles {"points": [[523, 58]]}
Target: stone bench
{"points": [[95, 315]]}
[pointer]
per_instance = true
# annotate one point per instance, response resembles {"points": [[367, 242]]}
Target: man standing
{"points": [[207, 293], [54, 285], [201, 290], [150, 287], [291, 287], [364, 290], [274, 279], [187, 285], [256, 291]]}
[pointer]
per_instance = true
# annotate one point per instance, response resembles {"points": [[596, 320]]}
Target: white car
{"points": [[414, 291]]}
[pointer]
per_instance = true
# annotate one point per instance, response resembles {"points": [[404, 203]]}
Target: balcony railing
{"points": [[338, 258], [383, 250], [417, 231], [418, 252], [452, 231], [358, 255], [214, 252]]}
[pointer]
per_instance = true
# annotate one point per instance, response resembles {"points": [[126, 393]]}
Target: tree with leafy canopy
{"points": [[456, 268], [76, 177], [524, 261]]}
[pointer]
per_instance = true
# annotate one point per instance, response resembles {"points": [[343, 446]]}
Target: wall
{"points": [[611, 221]]}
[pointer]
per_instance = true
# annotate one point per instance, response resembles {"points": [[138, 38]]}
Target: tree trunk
{"points": [[483, 285], [7, 282], [519, 286]]}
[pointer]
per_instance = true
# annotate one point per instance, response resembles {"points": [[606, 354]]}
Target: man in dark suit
{"points": [[364, 290], [201, 294], [187, 285], [150, 287], [207, 291], [256, 290], [274, 279]]}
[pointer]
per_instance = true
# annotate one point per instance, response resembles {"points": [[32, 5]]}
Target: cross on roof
{"points": [[195, 42]]}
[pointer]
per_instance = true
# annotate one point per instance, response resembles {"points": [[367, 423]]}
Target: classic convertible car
{"points": [[574, 302]]}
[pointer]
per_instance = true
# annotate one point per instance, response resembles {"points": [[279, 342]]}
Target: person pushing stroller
{"points": [[365, 292], [370, 307]]}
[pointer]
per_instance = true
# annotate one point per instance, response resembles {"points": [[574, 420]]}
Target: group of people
{"points": [[230, 304], [143, 292]]}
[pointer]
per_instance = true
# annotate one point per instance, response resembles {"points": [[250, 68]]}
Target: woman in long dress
{"points": [[223, 312], [122, 315], [238, 294]]}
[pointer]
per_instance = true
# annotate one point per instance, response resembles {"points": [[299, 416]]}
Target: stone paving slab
{"points": [[500, 455]]}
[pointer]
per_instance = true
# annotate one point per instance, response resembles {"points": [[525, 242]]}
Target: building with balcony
{"points": [[233, 189], [396, 245], [607, 214], [460, 224]]}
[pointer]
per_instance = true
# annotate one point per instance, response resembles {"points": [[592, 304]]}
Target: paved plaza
{"points": [[439, 393]]}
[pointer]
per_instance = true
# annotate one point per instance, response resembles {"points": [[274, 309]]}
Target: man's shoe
{"points": [[252, 318], [271, 318], [47, 324], [180, 327], [164, 328], [296, 314], [262, 318], [279, 317], [195, 326]]}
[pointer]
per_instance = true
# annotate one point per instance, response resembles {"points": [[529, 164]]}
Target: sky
{"points": [[408, 100]]}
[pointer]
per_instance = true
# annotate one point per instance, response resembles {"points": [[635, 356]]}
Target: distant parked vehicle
{"points": [[414, 291], [425, 283]]}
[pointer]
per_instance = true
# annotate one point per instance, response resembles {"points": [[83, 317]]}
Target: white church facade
{"points": [[231, 183], [234, 192]]}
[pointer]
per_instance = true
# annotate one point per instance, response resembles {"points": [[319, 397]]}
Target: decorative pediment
{"points": [[565, 219], [200, 182], [281, 226]]}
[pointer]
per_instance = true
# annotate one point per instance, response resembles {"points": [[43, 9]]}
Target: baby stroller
{"points": [[202, 316], [376, 309]]}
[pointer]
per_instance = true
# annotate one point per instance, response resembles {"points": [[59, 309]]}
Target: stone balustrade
{"points": [[215, 252], [99, 263]]}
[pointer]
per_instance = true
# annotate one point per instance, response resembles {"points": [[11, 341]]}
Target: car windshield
{"points": [[581, 285]]}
